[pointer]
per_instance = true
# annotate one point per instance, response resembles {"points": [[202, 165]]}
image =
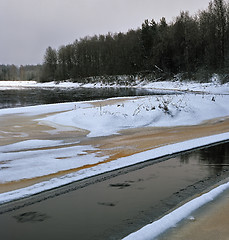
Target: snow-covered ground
{"points": [[151, 111], [213, 86], [28, 159]]}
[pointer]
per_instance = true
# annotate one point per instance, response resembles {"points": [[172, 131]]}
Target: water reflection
{"points": [[38, 96], [216, 157], [184, 158]]}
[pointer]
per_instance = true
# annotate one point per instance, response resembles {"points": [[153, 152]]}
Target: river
{"points": [[10, 98]]}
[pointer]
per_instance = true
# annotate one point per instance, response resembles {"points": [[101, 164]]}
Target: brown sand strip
{"points": [[133, 141]]}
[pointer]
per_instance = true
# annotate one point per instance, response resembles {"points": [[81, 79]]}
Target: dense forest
{"points": [[195, 45], [25, 73]]}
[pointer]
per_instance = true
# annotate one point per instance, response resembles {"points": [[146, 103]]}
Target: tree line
{"points": [[196, 46], [23, 73]]}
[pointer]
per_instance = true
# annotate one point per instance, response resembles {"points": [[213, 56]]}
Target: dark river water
{"points": [[113, 207], [38, 96]]}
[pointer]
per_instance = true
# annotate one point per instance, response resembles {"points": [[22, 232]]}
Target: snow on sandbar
{"points": [[28, 159], [19, 146], [19, 160], [151, 111]]}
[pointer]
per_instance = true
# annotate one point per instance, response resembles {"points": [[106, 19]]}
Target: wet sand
{"points": [[19, 127]]}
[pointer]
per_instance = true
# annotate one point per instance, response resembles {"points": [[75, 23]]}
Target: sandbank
{"points": [[21, 127]]}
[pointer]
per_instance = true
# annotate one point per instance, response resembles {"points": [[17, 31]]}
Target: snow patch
{"points": [[27, 164], [19, 146]]}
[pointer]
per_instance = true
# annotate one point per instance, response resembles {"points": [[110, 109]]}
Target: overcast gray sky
{"points": [[28, 27]]}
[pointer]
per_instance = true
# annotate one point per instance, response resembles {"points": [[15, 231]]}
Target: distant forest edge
{"points": [[196, 46]]}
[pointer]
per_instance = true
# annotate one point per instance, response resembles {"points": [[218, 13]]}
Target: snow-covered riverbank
{"points": [[96, 119], [100, 118], [20, 158], [212, 87]]}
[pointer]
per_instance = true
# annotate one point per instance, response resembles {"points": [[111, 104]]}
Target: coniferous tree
{"points": [[49, 65], [219, 10]]}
